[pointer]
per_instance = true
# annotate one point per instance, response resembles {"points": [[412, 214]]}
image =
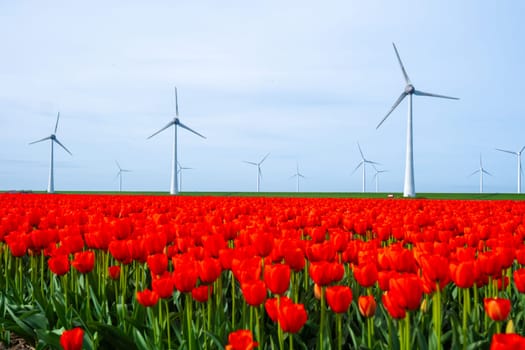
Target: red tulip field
{"points": [[205, 272]]}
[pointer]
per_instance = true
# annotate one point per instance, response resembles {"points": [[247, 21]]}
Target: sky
{"points": [[302, 80]]}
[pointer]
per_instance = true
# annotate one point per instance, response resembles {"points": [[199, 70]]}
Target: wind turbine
{"points": [[363, 163], [409, 188], [181, 168], [53, 138], [297, 175], [175, 123], [520, 171], [376, 176], [119, 175], [259, 173], [481, 171]]}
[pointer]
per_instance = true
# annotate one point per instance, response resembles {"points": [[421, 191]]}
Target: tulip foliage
{"points": [[154, 272]]}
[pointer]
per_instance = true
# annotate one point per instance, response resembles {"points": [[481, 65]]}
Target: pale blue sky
{"points": [[304, 80]]}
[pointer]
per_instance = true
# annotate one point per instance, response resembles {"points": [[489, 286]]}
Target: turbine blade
{"points": [[161, 130], [486, 172], [247, 162], [266, 156], [407, 79], [189, 129], [475, 172], [176, 103], [360, 151], [260, 172], [522, 149], [504, 150], [118, 165], [45, 138], [357, 167], [56, 125], [398, 101], [61, 145], [422, 93], [371, 162]]}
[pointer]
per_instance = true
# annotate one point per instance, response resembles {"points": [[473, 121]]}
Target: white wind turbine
{"points": [[175, 123], [481, 171], [259, 173], [376, 176], [409, 187], [363, 163], [53, 138], [119, 175], [181, 168], [297, 175], [520, 171]]}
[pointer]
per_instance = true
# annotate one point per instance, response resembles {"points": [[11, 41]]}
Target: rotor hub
{"points": [[409, 89]]}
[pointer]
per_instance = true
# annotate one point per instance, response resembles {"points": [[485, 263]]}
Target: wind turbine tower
{"points": [[297, 175], [53, 139], [376, 176], [119, 175], [181, 168], [481, 171], [259, 172], [175, 123], [409, 187], [518, 155], [363, 163]]}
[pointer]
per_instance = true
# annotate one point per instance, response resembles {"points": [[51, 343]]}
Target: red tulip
{"points": [[294, 257], [147, 298], [72, 339], [120, 251], [391, 304], [367, 305], [366, 275], [254, 292], [497, 309], [202, 293], [507, 342], [17, 243], [408, 290], [157, 263], [519, 280], [209, 270], [163, 286], [338, 298], [277, 278], [320, 273], [59, 264], [464, 274], [292, 317], [435, 270], [185, 276], [272, 306], [84, 262], [114, 272], [241, 340], [262, 242]]}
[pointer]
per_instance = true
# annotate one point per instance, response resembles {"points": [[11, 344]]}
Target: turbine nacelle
{"points": [[409, 89]]}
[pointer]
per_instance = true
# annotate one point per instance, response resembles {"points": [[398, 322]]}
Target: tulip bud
{"points": [[510, 327], [424, 306]]}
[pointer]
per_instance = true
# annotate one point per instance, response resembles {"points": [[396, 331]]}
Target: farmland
{"points": [[194, 271]]}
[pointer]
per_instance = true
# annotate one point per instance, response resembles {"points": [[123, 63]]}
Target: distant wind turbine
{"points": [[297, 175], [520, 171], [376, 176], [481, 171], [259, 173], [181, 168], [363, 163], [175, 123], [409, 187], [53, 138], [119, 175]]}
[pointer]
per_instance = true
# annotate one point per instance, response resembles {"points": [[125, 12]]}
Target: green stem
{"points": [[188, 320], [339, 331], [369, 330], [322, 322], [436, 313]]}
